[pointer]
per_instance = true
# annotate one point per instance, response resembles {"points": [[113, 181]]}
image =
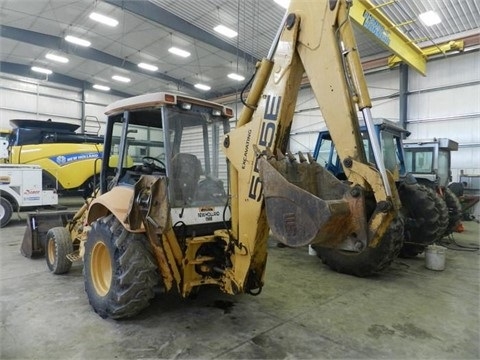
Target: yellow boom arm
{"points": [[316, 38]]}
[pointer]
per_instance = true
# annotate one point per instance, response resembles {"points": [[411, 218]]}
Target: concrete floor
{"points": [[305, 311]]}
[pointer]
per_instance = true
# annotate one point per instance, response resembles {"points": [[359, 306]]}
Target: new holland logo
{"points": [[207, 213], [62, 160]]}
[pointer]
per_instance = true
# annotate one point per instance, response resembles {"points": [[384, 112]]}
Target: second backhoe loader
{"points": [[189, 215]]}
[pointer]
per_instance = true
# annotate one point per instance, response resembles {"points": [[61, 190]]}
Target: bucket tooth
{"points": [[311, 160], [280, 155], [291, 157], [269, 153], [301, 157]]}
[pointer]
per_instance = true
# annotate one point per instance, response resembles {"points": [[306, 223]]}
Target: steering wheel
{"points": [[152, 162]]}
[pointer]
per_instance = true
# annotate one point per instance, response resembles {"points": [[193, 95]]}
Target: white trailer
{"points": [[21, 188], [3, 149]]}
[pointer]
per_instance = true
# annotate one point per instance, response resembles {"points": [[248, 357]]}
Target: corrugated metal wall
{"points": [[446, 103], [28, 99]]}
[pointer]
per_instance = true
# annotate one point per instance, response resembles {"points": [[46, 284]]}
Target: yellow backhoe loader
{"points": [[188, 214]]}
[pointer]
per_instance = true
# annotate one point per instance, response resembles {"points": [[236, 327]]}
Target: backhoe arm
{"points": [[305, 205], [332, 64]]}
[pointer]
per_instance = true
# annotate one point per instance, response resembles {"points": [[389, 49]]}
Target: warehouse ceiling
{"points": [[31, 29]]}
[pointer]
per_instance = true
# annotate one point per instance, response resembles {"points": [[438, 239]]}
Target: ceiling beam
{"points": [[25, 71], [152, 12], [57, 43], [369, 17]]}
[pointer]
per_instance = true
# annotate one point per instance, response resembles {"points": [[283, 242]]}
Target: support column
{"points": [[82, 110], [403, 96]]}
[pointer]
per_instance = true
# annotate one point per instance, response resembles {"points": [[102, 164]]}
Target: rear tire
{"points": [[454, 210], [120, 271], [443, 220], [369, 261], [58, 245], [6, 211], [420, 206]]}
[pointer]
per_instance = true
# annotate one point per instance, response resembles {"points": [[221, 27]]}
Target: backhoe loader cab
{"points": [[176, 137]]}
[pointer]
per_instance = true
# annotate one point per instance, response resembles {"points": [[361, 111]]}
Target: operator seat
{"points": [[186, 171]]}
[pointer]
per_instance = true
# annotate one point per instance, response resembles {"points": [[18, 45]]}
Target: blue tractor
{"points": [[424, 211]]}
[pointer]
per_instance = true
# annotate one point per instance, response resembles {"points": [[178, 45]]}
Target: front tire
{"points": [[58, 246], [369, 261], [6, 211], [119, 270]]}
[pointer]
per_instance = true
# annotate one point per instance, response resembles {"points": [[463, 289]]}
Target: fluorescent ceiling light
{"points": [[78, 41], [179, 52], [430, 18], [236, 77], [121, 78], [103, 19], [202, 87], [101, 87], [148, 67], [41, 70], [57, 58], [225, 31], [283, 3]]}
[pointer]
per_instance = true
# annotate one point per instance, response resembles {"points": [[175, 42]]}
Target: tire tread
{"points": [[134, 272]]}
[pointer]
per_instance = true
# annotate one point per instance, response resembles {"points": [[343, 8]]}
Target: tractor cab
{"points": [[430, 159], [390, 137]]}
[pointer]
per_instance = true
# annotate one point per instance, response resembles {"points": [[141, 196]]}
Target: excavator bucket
{"points": [[38, 224], [307, 205]]}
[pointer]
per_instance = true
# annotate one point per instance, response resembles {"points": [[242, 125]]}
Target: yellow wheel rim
{"points": [[51, 253], [101, 269]]}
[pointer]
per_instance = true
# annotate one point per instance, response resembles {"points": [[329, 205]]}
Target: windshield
{"points": [[184, 145], [198, 166], [390, 156], [419, 160], [142, 142]]}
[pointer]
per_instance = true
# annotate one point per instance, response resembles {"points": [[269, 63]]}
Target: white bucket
{"points": [[435, 257]]}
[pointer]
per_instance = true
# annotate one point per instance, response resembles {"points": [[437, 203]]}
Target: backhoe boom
{"points": [[308, 206]]}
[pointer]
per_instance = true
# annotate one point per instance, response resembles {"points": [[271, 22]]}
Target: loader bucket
{"points": [[298, 217], [38, 224]]}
